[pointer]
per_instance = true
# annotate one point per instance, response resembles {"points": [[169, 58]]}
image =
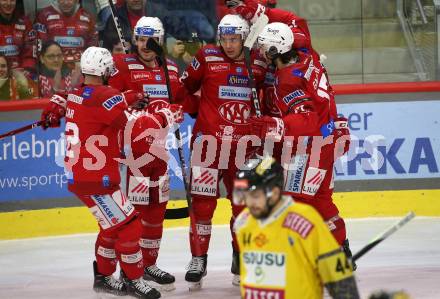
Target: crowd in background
{"points": [[40, 47]]}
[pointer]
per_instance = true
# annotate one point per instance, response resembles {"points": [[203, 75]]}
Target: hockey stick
{"points": [[255, 30], [22, 129], [118, 27], [392, 229], [155, 47]]}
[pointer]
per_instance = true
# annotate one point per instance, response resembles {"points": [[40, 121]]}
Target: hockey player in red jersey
{"points": [[95, 113], [148, 187], [72, 27], [17, 38], [314, 135], [225, 105]]}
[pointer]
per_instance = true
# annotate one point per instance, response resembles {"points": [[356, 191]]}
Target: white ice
{"points": [[61, 267]]}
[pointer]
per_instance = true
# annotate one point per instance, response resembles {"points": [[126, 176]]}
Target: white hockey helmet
{"points": [[233, 24], [276, 38], [97, 61], [150, 27]]}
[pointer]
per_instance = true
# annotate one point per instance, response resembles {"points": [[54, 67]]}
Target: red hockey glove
{"points": [[342, 134], [54, 112], [267, 127], [135, 100], [171, 115], [250, 10]]}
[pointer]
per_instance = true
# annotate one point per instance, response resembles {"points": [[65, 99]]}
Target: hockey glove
{"points": [[250, 10], [54, 112], [136, 100], [267, 127], [171, 115], [342, 134]]}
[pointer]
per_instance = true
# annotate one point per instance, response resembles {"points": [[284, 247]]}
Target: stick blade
{"points": [[255, 30]]}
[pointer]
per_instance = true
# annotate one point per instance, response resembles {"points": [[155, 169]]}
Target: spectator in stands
{"points": [[128, 14], [13, 85], [17, 38], [178, 53], [54, 74], [72, 27], [112, 43]]}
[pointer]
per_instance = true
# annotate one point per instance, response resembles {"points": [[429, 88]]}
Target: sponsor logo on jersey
{"points": [[265, 268], [20, 27], [32, 33], [293, 95], [100, 218], [53, 17], [87, 92], [11, 50], [297, 73], [136, 67], [156, 90], [70, 31], [213, 58], [138, 190], [112, 102], [238, 80], [260, 240], [313, 180], [140, 75], [9, 39], [75, 99], [264, 258], [211, 51], [172, 68], [104, 207], [70, 41], [295, 173], [40, 27], [128, 59], [84, 18], [260, 63], [204, 181], [262, 293], [239, 69], [234, 93], [195, 64], [235, 112], [298, 224], [158, 77], [218, 67]]}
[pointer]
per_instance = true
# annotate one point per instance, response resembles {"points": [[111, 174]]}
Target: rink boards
{"points": [[60, 221]]}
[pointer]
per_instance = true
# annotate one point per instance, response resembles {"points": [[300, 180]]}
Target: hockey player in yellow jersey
{"points": [[286, 249]]}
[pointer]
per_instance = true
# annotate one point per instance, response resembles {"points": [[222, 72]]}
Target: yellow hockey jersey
{"points": [[291, 254]]}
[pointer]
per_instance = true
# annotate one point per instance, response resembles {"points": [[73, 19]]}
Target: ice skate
{"points": [[196, 272], [160, 279], [235, 268], [139, 288], [107, 284], [347, 251]]}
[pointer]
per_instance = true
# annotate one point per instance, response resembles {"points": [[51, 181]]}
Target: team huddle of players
{"points": [[282, 248]]}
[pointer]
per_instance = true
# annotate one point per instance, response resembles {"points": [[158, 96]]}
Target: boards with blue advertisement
{"points": [[391, 140]]}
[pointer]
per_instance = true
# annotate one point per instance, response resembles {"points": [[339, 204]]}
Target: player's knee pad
{"points": [[153, 214], [204, 208], [130, 233]]}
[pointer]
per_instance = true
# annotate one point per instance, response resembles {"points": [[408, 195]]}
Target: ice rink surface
{"points": [[61, 267]]}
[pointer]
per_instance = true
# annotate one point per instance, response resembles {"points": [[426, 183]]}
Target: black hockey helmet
{"points": [[258, 173]]}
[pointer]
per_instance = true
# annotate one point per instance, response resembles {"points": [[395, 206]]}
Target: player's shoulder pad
{"points": [[241, 220], [172, 66], [85, 16], [258, 59]]}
